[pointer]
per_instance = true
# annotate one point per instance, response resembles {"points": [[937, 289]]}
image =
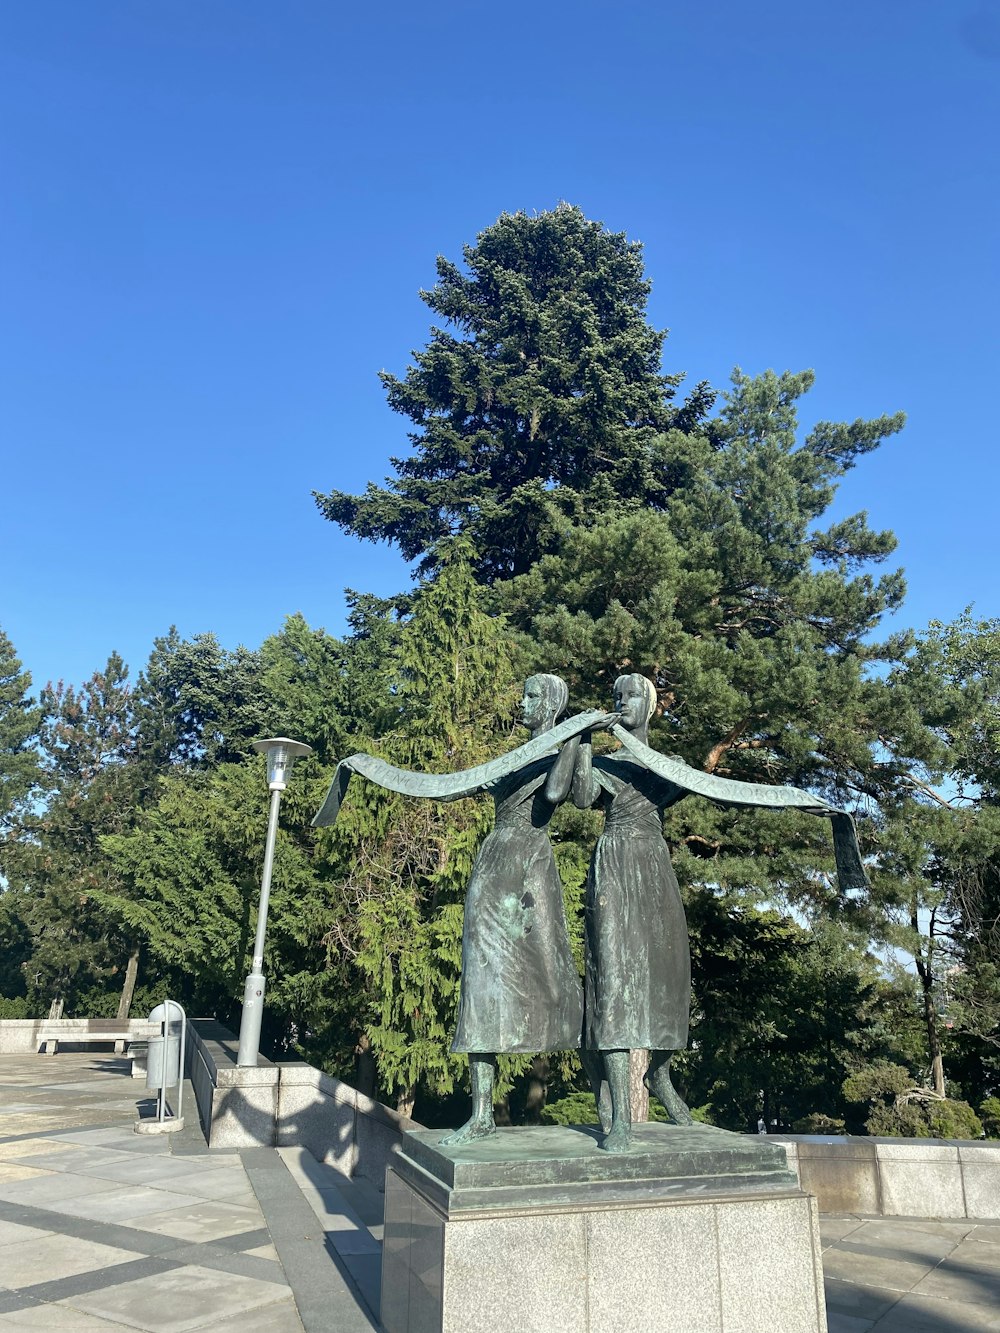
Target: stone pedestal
{"points": [[694, 1230]]}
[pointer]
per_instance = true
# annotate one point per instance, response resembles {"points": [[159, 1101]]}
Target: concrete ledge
{"points": [[238, 1107], [338, 1124], [291, 1104], [946, 1178]]}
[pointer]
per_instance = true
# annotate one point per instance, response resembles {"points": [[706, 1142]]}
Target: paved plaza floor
{"points": [[103, 1229]]}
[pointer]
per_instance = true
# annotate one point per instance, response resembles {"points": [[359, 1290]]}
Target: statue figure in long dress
{"points": [[520, 989], [638, 965]]}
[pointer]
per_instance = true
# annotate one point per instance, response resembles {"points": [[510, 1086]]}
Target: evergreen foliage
{"points": [[546, 397], [937, 885], [898, 1108], [55, 866], [404, 865], [20, 723], [781, 1014]]}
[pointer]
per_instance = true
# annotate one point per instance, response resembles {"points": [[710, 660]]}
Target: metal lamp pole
{"points": [[281, 754]]}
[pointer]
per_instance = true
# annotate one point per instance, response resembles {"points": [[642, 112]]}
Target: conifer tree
{"points": [[405, 863], [546, 397], [20, 722], [21, 780], [187, 873], [197, 704], [755, 622], [56, 865], [937, 876]]}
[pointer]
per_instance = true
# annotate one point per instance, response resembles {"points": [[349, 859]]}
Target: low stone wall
{"points": [[286, 1105], [238, 1106], [338, 1124], [24, 1036], [897, 1177]]}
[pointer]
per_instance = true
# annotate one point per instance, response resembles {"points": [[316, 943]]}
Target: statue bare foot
{"points": [[670, 1099], [476, 1128], [619, 1140]]}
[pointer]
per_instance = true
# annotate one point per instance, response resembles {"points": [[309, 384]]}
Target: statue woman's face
{"points": [[535, 704], [631, 701]]}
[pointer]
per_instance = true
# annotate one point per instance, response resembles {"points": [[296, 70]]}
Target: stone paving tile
{"points": [[884, 1235], [77, 1160], [48, 1222], [282, 1317], [55, 1319], [12, 1233], [264, 1252], [326, 1295], [845, 1323], [916, 1314], [832, 1229], [54, 1188], [105, 1137], [954, 1228], [851, 1298], [207, 1254], [80, 1284], [31, 1124], [14, 1300], [366, 1271], [973, 1287], [178, 1301], [225, 1186], [28, 1262], [20, 1149], [11, 1171], [199, 1219], [327, 1198], [117, 1203], [873, 1270], [977, 1254], [77, 1132], [131, 1168], [958, 1291]]}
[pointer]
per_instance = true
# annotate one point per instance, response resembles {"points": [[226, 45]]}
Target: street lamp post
{"points": [[281, 754]]}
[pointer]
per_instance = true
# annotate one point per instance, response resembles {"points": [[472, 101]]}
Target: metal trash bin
{"points": [[163, 1059]]}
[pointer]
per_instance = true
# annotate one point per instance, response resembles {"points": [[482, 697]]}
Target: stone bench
{"points": [[90, 1031]]}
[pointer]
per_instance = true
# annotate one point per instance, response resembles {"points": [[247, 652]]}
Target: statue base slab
{"points": [[537, 1229]]}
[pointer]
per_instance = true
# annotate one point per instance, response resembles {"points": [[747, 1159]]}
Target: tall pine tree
{"points": [[545, 396]]}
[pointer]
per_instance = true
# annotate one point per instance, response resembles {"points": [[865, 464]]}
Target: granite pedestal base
{"points": [[694, 1231]]}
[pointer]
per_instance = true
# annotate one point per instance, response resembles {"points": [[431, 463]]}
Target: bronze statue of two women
{"points": [[519, 988]]}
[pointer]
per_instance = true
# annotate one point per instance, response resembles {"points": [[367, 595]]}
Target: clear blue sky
{"points": [[215, 219]]}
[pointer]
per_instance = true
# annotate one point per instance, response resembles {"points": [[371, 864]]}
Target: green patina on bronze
{"points": [[519, 990], [727, 791], [449, 786]]}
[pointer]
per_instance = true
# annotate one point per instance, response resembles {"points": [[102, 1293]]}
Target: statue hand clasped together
{"points": [[519, 989]]}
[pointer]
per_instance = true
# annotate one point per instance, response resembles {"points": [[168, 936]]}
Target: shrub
{"points": [[989, 1114], [579, 1108], [818, 1123], [899, 1109], [953, 1120]]}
